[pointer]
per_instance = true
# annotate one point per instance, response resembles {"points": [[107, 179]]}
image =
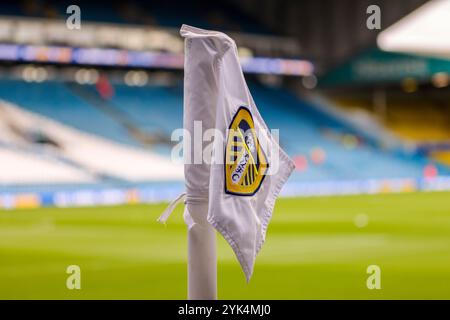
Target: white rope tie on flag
{"points": [[188, 199], [199, 198], [166, 214]]}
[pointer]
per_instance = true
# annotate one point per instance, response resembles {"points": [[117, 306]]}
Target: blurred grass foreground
{"points": [[317, 248]]}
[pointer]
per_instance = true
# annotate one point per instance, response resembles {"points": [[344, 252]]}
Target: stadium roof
{"points": [[425, 31]]}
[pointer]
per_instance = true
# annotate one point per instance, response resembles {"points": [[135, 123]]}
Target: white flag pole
{"points": [[202, 259], [200, 95]]}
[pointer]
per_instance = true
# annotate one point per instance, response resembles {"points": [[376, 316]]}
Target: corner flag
{"points": [[248, 168]]}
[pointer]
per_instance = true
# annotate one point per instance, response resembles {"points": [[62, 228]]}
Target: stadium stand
{"points": [[423, 122], [416, 120], [323, 148], [305, 127], [56, 101], [116, 134], [441, 156], [59, 152]]}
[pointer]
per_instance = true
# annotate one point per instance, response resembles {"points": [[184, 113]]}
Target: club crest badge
{"points": [[245, 162]]}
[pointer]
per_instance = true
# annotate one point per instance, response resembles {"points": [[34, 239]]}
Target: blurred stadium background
{"points": [[86, 118]]}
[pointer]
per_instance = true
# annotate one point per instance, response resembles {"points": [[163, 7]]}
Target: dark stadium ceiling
{"points": [[329, 31], [326, 32]]}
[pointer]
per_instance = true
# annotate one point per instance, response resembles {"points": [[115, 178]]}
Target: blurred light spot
{"points": [[361, 220], [245, 52], [440, 80], [28, 73], [430, 171], [309, 82], [40, 74], [34, 74], [318, 155], [86, 76], [136, 78], [301, 163]]}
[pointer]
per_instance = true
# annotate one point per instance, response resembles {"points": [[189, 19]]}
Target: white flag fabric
{"points": [[242, 188]]}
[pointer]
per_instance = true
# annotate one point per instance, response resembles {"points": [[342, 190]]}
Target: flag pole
{"points": [[202, 257], [200, 96]]}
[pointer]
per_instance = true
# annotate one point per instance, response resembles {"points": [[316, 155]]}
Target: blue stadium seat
{"points": [[158, 109], [54, 100]]}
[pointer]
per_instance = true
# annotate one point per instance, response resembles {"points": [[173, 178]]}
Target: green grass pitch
{"points": [[314, 250]]}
